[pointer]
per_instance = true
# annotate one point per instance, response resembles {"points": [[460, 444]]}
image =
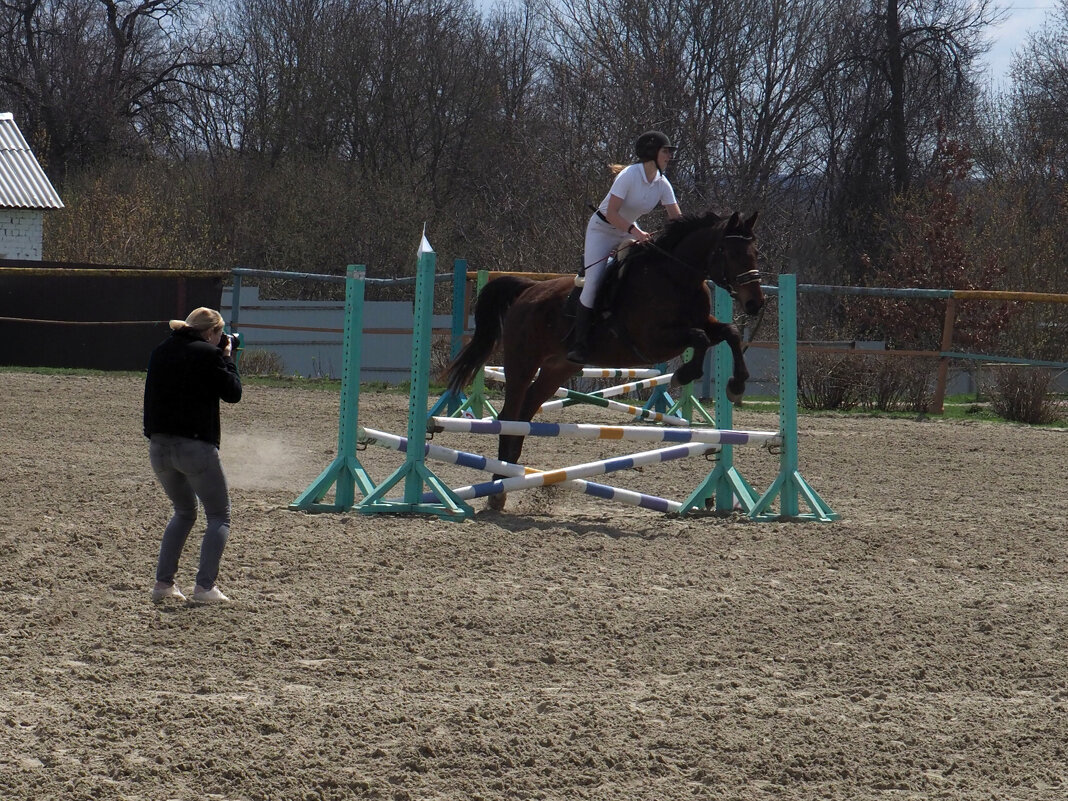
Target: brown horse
{"points": [[660, 306]]}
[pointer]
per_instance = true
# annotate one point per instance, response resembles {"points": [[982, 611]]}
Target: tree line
{"points": [[309, 134]]}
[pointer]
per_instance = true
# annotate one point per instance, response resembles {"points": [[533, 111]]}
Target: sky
{"points": [[1024, 16]]}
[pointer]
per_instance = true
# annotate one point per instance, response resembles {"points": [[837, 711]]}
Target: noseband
{"points": [[748, 277]]}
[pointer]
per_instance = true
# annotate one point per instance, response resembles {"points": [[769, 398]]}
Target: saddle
{"points": [[614, 270], [604, 303]]}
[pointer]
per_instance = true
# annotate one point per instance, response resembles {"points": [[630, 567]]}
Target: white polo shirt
{"points": [[640, 195]]}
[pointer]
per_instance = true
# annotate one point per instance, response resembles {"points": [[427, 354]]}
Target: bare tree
{"points": [[771, 132], [916, 73], [91, 79], [1039, 98], [907, 82]]}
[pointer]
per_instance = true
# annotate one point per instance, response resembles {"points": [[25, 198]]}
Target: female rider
{"points": [[637, 190]]}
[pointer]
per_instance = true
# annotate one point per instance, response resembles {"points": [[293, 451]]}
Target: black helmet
{"points": [[649, 143]]}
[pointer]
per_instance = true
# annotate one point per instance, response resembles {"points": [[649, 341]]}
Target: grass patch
{"points": [[957, 407]]}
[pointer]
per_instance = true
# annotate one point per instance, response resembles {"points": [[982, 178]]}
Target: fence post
{"points": [[451, 401], [938, 402], [413, 475], [724, 486], [345, 473], [235, 303]]}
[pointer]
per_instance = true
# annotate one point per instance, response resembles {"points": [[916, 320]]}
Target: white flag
{"points": [[424, 243]]}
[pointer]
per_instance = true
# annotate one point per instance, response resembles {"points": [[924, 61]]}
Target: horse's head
{"points": [[722, 250], [732, 264]]}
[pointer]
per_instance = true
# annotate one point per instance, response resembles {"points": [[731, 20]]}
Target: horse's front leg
{"points": [[692, 368], [510, 446], [729, 333]]}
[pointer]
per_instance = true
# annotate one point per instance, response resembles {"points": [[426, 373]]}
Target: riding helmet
{"points": [[649, 143]]}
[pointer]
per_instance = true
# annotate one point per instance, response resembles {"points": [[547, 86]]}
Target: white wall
{"points": [[21, 234], [307, 334]]}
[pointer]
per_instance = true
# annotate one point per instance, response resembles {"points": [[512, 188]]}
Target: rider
{"points": [[636, 191]]}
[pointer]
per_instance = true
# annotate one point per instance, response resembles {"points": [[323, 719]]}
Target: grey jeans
{"points": [[190, 469]]}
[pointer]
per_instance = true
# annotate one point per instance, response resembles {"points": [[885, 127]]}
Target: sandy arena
{"points": [[564, 649]]}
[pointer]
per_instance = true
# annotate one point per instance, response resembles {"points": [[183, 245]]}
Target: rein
{"points": [[753, 331], [748, 277]]}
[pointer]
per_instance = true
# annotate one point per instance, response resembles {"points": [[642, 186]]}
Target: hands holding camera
{"points": [[227, 343]]}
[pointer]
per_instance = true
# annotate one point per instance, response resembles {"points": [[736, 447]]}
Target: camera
{"points": [[232, 339]]}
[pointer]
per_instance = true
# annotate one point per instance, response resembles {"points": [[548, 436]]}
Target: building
{"points": [[25, 194]]}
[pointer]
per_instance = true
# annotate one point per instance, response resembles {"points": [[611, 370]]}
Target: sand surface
{"points": [[566, 648]]}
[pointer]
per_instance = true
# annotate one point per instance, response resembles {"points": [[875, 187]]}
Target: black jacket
{"points": [[187, 377]]}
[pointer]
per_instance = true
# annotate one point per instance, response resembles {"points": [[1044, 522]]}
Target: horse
{"points": [[660, 305]]}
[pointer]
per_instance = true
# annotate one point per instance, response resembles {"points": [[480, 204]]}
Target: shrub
{"points": [[897, 384], [1022, 394], [827, 381], [440, 353], [843, 381], [261, 362]]}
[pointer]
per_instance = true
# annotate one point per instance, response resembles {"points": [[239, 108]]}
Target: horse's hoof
{"points": [[735, 390], [496, 502], [674, 384]]}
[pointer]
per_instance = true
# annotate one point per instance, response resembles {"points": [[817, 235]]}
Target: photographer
{"points": [[188, 374]]}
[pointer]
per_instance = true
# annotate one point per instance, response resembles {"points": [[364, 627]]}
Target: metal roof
{"points": [[23, 184]]}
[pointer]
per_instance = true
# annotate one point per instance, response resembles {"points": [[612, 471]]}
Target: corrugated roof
{"points": [[23, 184]]}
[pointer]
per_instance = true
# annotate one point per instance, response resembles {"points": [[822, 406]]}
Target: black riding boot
{"points": [[579, 352]]}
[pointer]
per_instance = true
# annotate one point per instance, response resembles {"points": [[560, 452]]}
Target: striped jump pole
{"points": [[345, 473], [709, 436], [621, 372], [610, 392], [591, 399], [486, 464], [550, 477], [604, 372]]}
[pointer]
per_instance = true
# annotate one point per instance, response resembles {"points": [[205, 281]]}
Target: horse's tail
{"points": [[493, 301]]}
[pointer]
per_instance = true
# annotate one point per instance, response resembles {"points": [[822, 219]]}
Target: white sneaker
{"points": [[209, 596], [164, 591]]}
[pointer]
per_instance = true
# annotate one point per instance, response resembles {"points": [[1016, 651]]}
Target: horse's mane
{"points": [[674, 232]]}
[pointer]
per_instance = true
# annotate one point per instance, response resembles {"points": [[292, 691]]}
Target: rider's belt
{"points": [[598, 213]]}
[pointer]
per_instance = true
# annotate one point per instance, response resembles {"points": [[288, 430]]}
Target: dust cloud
{"points": [[254, 461]]}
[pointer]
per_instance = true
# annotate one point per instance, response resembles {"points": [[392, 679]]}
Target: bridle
{"points": [[742, 279], [748, 277]]}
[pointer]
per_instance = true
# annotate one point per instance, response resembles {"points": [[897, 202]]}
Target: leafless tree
{"points": [[912, 68], [92, 78], [909, 79], [1040, 97]]}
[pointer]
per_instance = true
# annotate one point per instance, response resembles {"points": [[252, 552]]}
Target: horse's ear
{"points": [[751, 222], [732, 223]]}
